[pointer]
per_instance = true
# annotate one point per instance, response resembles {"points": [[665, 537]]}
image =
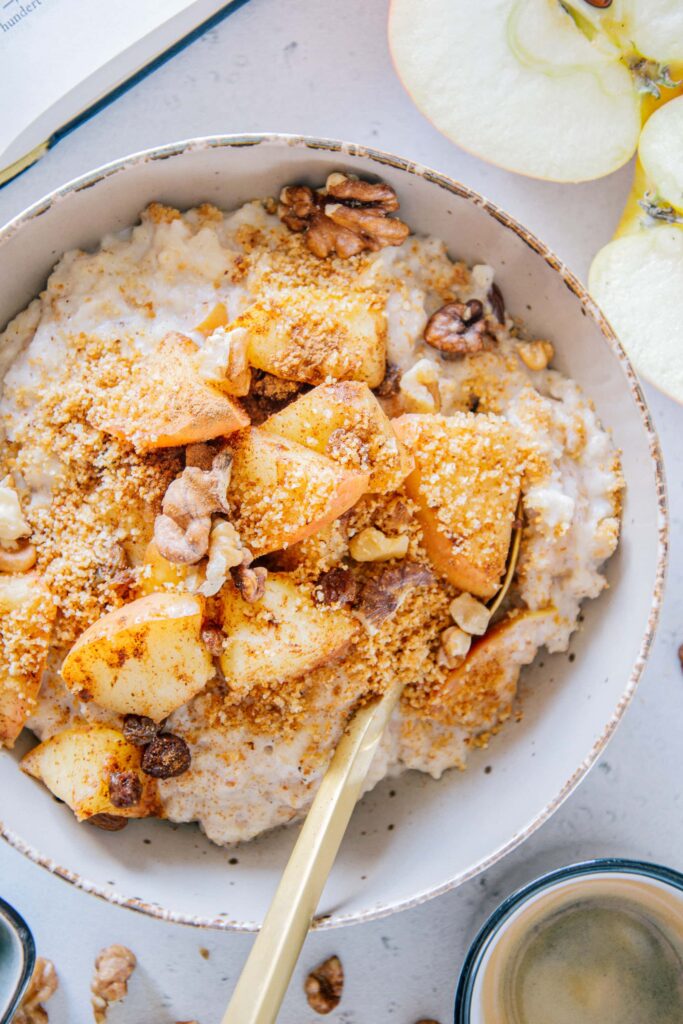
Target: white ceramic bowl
{"points": [[413, 838]]}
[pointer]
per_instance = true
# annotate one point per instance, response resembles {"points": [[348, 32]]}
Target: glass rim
{"points": [[492, 925]]}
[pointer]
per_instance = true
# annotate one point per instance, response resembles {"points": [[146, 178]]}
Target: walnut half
{"points": [[324, 985], [347, 217], [43, 984], [113, 968], [459, 329]]}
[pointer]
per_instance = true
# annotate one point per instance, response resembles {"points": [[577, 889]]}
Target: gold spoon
{"points": [[266, 975]]}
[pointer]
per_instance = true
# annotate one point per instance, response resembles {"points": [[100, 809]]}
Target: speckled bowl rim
{"points": [[442, 181], [486, 936]]}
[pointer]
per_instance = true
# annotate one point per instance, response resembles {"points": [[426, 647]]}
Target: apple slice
{"points": [[281, 636], [77, 765], [466, 485], [655, 28], [26, 616], [479, 693], [166, 402], [636, 278], [521, 83], [311, 334], [146, 658], [346, 422], [282, 492]]}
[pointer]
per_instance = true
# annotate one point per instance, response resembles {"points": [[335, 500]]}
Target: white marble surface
{"points": [[314, 67]]}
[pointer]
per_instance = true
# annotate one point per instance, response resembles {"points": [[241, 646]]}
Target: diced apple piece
{"points": [[466, 485], [282, 492], [523, 83], [158, 574], [636, 280], [281, 636], [77, 765], [146, 658], [346, 422], [310, 334], [479, 693], [26, 616], [165, 401]]}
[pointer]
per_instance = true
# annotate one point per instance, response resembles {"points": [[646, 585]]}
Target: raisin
{"points": [[108, 822], [139, 730], [125, 789], [166, 756]]}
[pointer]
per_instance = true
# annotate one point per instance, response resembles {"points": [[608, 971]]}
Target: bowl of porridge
{"points": [[274, 413]]}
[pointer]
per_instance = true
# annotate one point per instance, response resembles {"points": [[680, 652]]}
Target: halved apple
{"points": [[346, 422], [548, 89], [636, 278], [166, 402], [281, 636], [26, 616], [146, 658], [77, 765], [282, 492], [479, 693], [310, 334], [466, 485]]}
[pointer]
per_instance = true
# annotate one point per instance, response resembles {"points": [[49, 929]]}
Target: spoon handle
{"points": [[264, 979]]}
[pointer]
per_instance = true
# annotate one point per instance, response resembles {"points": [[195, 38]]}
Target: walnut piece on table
{"points": [[43, 984], [324, 985], [113, 968]]}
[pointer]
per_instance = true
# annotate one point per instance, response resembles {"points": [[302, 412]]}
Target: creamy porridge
{"points": [[254, 466]]}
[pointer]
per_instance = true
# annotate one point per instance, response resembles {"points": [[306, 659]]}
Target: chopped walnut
{"points": [[384, 593], [226, 552], [536, 354], [113, 968], [21, 560], [336, 587], [42, 986], [471, 615], [459, 329], [182, 532], [455, 644], [347, 217], [251, 583], [182, 545], [324, 985]]}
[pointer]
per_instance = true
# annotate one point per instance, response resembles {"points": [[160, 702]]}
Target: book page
{"points": [[49, 47]]}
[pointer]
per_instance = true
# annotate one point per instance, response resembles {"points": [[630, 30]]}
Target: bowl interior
{"points": [[569, 708]]}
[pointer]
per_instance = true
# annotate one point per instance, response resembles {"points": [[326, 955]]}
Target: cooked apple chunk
{"points": [[466, 485], [166, 402], [346, 422], [311, 334], [479, 692], [94, 770], [26, 616], [282, 492], [281, 636], [146, 658]]}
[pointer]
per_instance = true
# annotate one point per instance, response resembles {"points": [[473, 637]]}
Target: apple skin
{"points": [[146, 658], [264, 468]]}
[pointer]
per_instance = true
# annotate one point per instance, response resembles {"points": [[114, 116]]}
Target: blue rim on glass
{"points": [[490, 928], [21, 939]]}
